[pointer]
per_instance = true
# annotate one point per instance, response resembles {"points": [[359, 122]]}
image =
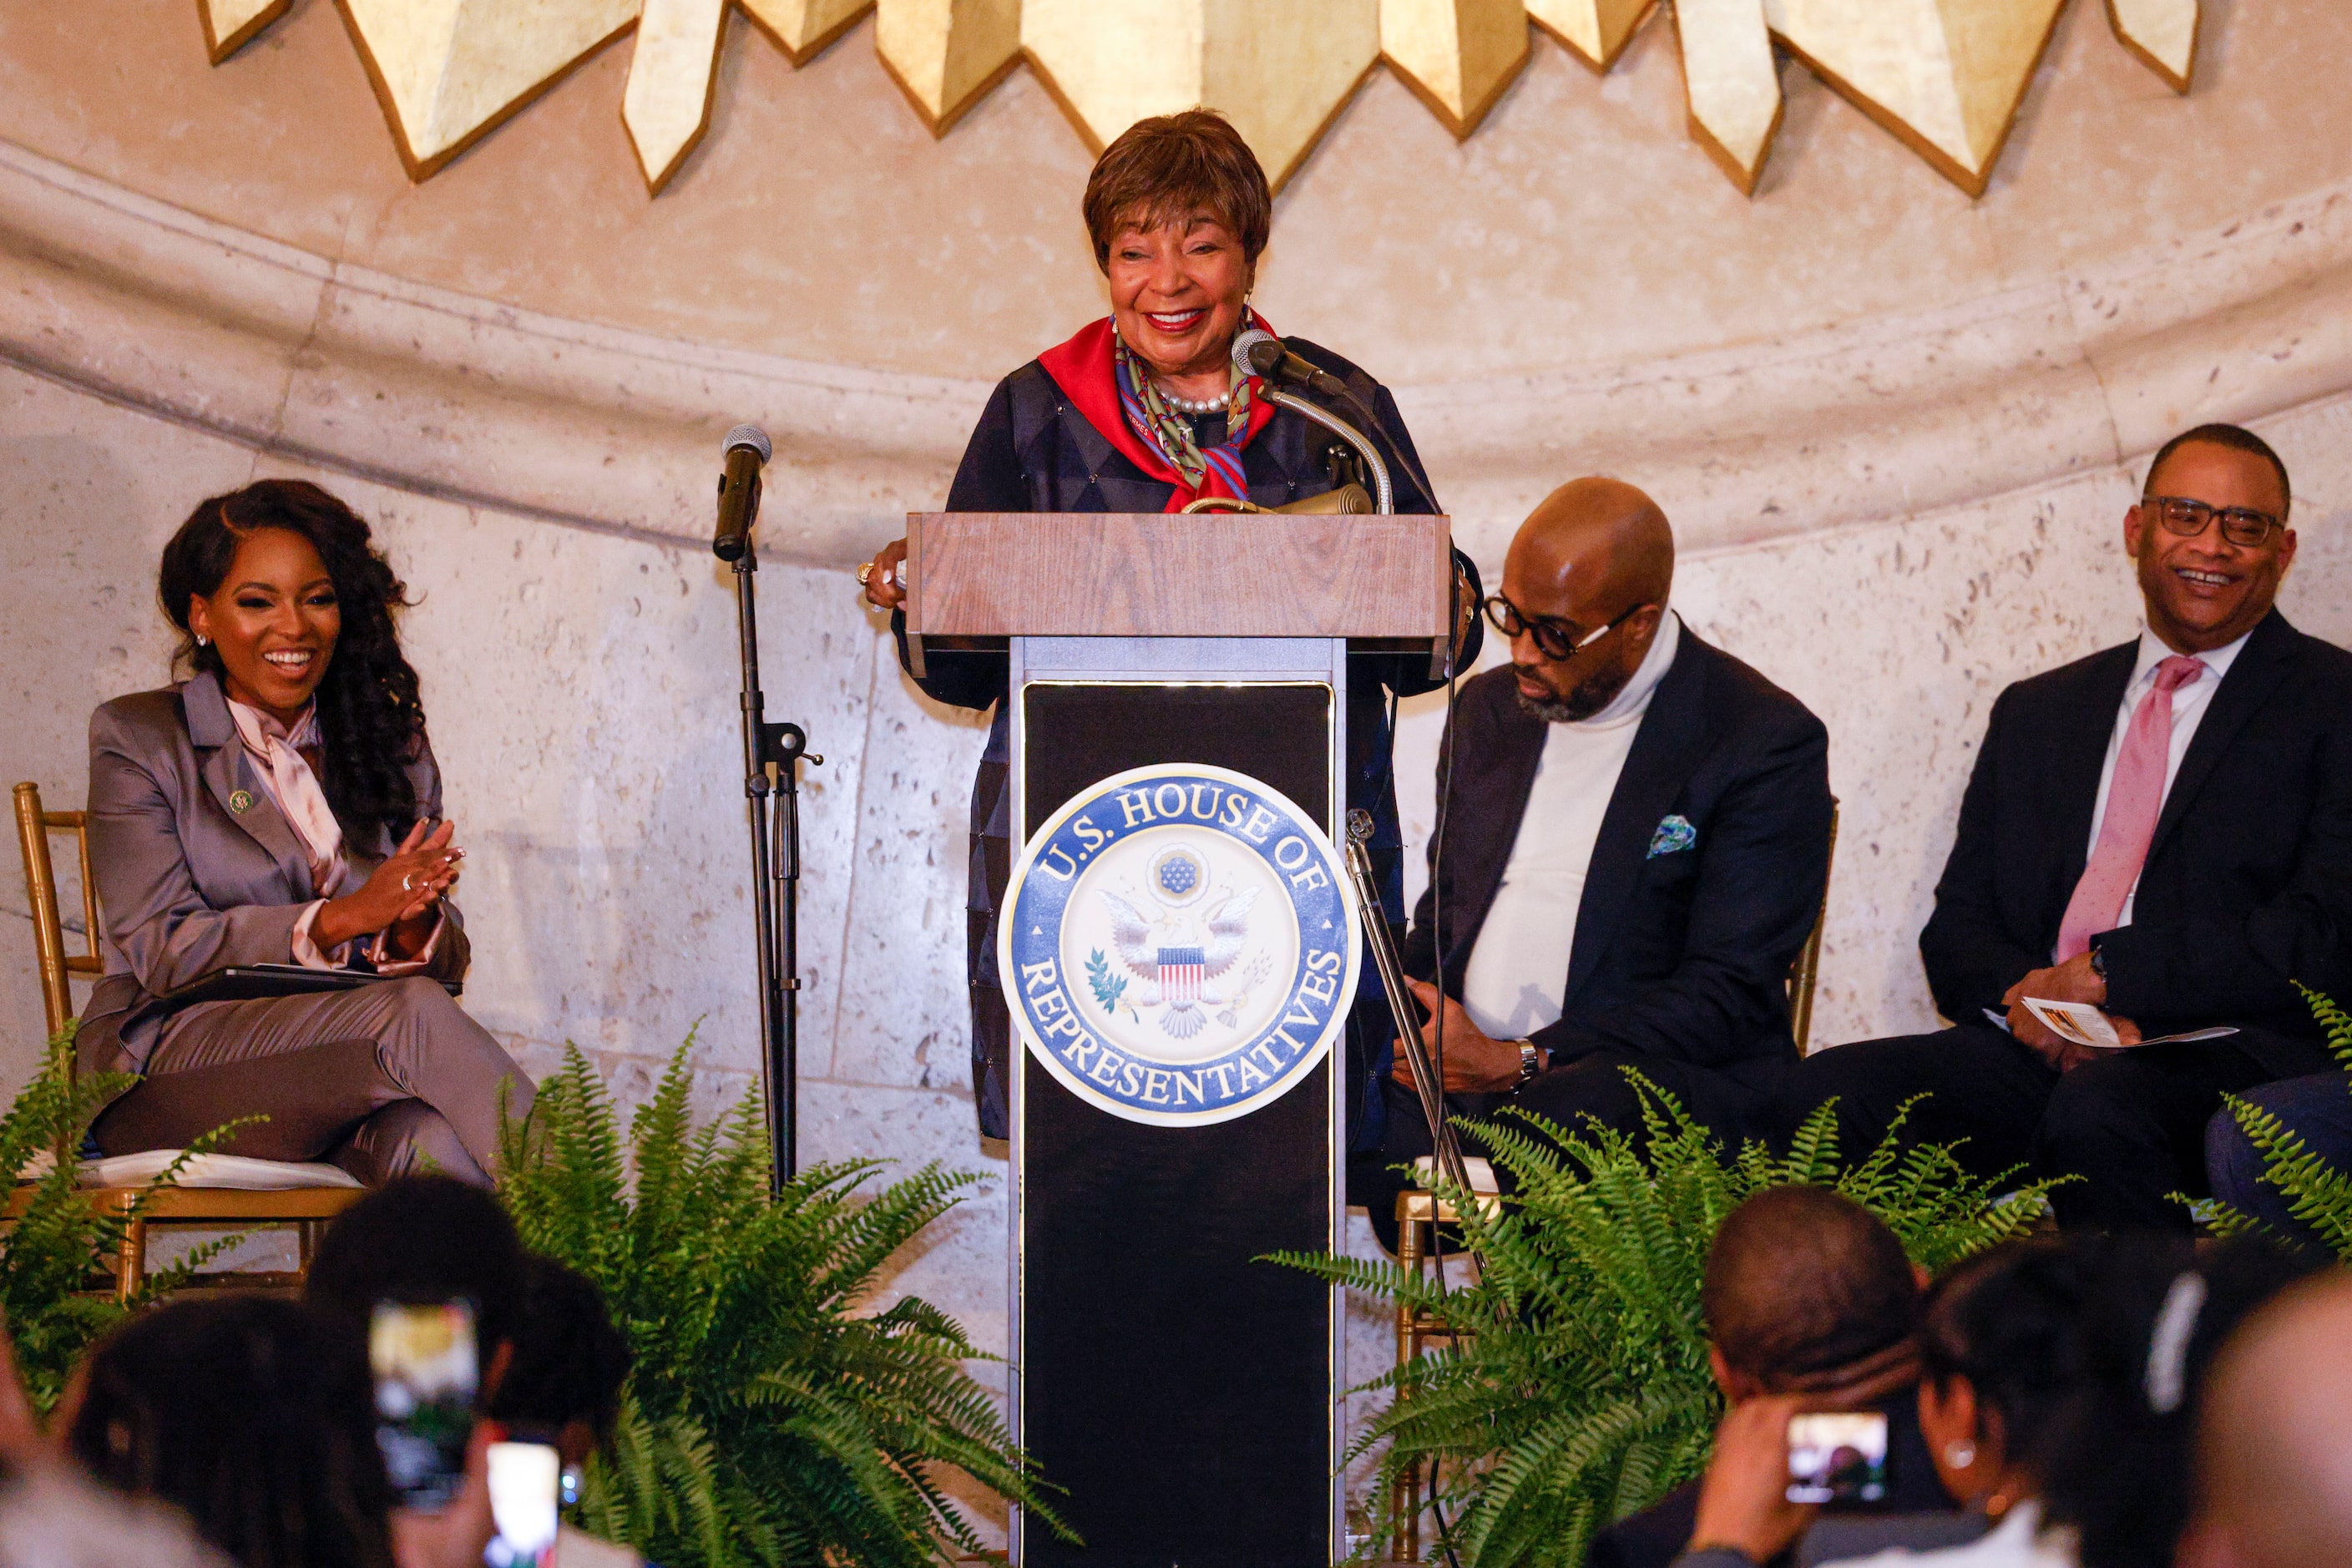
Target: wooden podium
{"points": [[1186, 1395]]}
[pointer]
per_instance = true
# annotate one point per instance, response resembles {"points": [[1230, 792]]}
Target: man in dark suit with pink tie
{"points": [[2162, 831]]}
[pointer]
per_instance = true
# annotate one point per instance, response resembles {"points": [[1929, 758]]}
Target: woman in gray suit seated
{"points": [[282, 807]]}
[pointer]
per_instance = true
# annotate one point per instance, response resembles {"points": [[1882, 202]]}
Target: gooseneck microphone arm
{"points": [[1259, 353], [1383, 493], [772, 754], [1443, 1139]]}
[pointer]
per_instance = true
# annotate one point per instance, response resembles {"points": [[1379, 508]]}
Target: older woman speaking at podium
{"points": [[1145, 412]]}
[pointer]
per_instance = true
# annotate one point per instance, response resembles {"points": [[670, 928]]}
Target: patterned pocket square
{"points": [[1674, 834]]}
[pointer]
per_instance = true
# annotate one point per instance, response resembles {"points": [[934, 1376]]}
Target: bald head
{"points": [[2275, 1443], [1596, 554], [1599, 540]]}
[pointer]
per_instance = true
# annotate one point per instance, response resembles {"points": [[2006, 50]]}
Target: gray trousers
{"points": [[384, 1081]]}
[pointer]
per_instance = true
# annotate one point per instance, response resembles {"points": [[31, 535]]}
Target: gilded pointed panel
{"points": [[2162, 33], [1278, 68], [448, 71], [1596, 31], [944, 54], [667, 105], [1457, 56], [1945, 75], [801, 28], [1732, 82], [228, 23]]}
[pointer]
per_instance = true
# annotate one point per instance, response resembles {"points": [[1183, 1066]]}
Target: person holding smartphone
{"points": [[1811, 1305], [1997, 1346], [282, 807]]}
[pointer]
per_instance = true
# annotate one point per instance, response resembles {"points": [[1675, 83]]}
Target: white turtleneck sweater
{"points": [[1518, 969]]}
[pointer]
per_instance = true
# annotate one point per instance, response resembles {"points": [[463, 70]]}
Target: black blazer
{"points": [[1032, 451], [2248, 883], [1684, 954]]}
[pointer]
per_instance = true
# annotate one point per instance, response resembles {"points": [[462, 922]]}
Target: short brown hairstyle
{"points": [[1165, 169], [1803, 1281]]}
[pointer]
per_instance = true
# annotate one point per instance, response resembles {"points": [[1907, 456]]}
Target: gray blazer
{"points": [[188, 882]]}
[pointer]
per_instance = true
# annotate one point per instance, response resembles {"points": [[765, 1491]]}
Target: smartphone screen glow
{"points": [[426, 1375], [523, 1481]]}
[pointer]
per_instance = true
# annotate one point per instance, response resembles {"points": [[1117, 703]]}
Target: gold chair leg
{"points": [[1404, 1491], [130, 1261]]}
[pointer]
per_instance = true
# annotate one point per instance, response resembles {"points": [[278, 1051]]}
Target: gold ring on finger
{"points": [[865, 574]]}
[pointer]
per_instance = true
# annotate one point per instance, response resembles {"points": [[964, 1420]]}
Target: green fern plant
{"points": [[1580, 1391], [55, 1251], [765, 1422], [2318, 1191]]}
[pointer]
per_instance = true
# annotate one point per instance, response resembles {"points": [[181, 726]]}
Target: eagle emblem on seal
{"points": [[1197, 933]]}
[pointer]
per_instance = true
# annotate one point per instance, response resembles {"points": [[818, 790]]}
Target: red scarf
{"points": [[1084, 370]]}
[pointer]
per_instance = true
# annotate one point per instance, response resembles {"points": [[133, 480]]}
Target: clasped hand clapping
{"points": [[402, 895]]}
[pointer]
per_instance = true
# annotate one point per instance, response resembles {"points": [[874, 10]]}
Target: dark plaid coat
{"points": [[1034, 452]]}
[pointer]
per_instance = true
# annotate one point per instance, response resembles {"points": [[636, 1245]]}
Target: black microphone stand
{"points": [[772, 754]]}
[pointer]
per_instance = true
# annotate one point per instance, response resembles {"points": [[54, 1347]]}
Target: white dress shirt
{"points": [[2189, 701], [1518, 976], [2017, 1541]]}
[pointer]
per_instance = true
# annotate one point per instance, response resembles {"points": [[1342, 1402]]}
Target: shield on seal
{"points": [[1179, 974]]}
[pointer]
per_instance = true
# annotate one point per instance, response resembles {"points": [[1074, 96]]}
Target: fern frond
{"points": [[773, 1419], [1581, 1392]]}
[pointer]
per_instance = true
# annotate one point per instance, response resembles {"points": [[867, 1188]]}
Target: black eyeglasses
{"points": [[1556, 638], [2241, 526]]}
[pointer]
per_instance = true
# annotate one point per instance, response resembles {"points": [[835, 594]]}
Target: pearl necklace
{"points": [[1216, 404]]}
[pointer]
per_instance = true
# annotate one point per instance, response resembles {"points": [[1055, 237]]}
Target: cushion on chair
{"points": [[1481, 1173], [231, 1170]]}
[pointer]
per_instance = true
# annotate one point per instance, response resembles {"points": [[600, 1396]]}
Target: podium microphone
{"points": [[748, 451], [1259, 353]]}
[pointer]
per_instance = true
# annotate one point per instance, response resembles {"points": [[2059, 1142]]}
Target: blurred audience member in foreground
{"points": [[1810, 1303], [1994, 1345], [2273, 1483], [563, 1389], [50, 1517], [250, 1414], [416, 1241], [2122, 1470]]}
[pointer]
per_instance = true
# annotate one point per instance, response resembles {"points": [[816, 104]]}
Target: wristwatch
{"points": [[1530, 1060], [2098, 961]]}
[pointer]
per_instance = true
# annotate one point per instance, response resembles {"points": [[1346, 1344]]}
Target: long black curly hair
{"points": [[371, 719]]}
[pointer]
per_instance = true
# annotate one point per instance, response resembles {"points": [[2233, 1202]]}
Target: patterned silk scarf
{"points": [[1170, 431]]}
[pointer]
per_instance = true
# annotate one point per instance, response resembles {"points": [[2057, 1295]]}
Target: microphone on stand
{"points": [[748, 451], [1259, 353]]}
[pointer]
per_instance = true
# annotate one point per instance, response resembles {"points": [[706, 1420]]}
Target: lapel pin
{"points": [[241, 801]]}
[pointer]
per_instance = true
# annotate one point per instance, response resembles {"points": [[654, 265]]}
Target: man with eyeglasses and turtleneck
{"points": [[2162, 831], [1631, 843]]}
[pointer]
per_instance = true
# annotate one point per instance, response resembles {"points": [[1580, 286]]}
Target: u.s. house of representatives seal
{"points": [[1180, 944]]}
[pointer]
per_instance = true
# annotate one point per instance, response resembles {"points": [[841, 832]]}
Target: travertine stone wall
{"points": [[1897, 430]]}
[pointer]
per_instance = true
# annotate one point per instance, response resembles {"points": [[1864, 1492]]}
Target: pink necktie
{"points": [[2134, 798]]}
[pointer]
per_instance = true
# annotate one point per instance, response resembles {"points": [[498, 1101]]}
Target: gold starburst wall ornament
{"points": [[1945, 75]]}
